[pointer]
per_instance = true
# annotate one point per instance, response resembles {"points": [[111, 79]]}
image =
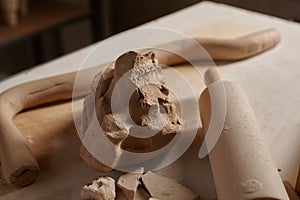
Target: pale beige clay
{"points": [[164, 188], [23, 168], [141, 194], [129, 184], [225, 49], [149, 91], [241, 163], [18, 164], [102, 188]]}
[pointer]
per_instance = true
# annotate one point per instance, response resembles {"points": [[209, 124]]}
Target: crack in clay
{"points": [[45, 89]]}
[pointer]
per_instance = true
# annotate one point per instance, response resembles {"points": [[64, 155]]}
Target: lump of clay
{"points": [[151, 106], [129, 184], [141, 194], [163, 188], [102, 188]]}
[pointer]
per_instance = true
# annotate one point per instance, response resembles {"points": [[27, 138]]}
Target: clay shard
{"points": [[141, 194], [150, 106], [164, 188], [102, 188], [129, 184]]}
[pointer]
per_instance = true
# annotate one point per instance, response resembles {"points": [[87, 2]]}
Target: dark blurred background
{"points": [[56, 27]]}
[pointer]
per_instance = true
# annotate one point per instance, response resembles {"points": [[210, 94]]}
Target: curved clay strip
{"points": [[223, 49], [20, 167], [242, 47]]}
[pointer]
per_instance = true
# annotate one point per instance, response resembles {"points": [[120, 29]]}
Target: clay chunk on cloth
{"points": [[102, 188], [130, 99], [164, 188]]}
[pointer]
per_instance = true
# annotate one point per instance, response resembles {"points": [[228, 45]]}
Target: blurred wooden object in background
{"points": [[11, 10]]}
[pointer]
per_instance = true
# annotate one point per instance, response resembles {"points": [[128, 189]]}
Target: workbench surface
{"points": [[271, 79]]}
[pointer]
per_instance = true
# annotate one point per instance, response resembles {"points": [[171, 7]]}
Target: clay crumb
{"points": [[129, 183], [164, 188], [102, 188]]}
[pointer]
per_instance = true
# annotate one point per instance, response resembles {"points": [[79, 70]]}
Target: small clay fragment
{"points": [[102, 188], [290, 190], [129, 184], [163, 188], [141, 194]]}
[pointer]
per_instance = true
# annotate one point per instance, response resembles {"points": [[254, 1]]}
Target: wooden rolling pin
{"points": [[18, 163], [241, 163]]}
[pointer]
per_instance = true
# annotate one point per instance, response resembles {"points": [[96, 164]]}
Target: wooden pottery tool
{"points": [[241, 163]]}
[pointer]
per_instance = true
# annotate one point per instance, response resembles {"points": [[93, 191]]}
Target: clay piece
{"points": [[151, 105], [164, 188], [129, 184], [23, 169], [141, 194], [102, 188]]}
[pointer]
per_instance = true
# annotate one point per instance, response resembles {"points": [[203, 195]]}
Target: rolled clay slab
{"points": [[241, 163]]}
